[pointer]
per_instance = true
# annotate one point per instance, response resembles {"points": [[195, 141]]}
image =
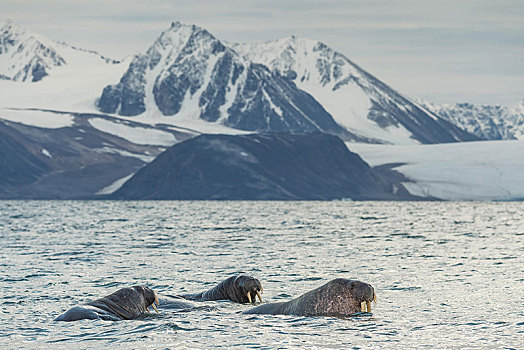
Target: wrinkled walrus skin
{"points": [[339, 297], [124, 304]]}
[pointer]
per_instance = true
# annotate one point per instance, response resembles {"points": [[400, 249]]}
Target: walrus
{"points": [[240, 289], [339, 297], [124, 304]]}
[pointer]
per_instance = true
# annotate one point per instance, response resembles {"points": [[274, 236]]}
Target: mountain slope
{"points": [[189, 74], [487, 122], [260, 167], [75, 156], [357, 100], [19, 163]]}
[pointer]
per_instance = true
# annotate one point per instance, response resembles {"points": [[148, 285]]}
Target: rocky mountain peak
{"points": [[26, 56], [29, 57], [178, 35]]}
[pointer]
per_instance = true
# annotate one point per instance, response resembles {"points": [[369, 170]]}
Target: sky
{"points": [[442, 51]]}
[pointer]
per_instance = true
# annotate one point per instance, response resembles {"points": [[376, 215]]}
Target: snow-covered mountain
{"points": [[291, 85], [357, 100], [29, 57], [39, 73], [487, 122], [189, 74]]}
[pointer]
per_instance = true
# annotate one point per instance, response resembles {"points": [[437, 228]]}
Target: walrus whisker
{"points": [[249, 297], [259, 297]]}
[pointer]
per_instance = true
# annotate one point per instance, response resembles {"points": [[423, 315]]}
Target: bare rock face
{"points": [[127, 97], [269, 166]]}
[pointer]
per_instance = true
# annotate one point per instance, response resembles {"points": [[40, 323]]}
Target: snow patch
{"points": [[115, 185], [143, 158], [46, 153], [40, 119], [137, 135]]}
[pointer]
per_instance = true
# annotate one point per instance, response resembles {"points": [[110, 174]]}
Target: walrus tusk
{"points": [[363, 306], [259, 297], [146, 310], [368, 304], [154, 307], [156, 299], [249, 297]]}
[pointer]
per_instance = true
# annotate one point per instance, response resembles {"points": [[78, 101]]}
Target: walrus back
{"points": [[86, 312], [269, 309]]}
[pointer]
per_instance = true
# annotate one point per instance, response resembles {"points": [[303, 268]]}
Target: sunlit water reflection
{"points": [[446, 274]]}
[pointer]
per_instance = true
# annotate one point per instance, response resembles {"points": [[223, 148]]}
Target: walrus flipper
{"points": [[240, 289]]}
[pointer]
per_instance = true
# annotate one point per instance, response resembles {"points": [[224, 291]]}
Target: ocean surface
{"points": [[446, 274]]}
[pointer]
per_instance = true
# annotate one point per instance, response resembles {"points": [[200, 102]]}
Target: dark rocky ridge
{"points": [[269, 166]]}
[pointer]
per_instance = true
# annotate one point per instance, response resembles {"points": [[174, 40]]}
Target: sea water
{"points": [[446, 274]]}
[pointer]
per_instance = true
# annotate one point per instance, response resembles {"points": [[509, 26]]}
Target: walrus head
{"points": [[339, 297], [246, 289]]}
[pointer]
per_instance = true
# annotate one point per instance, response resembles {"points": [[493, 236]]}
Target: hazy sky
{"points": [[439, 50]]}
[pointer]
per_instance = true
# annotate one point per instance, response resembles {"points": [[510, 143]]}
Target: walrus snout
{"points": [[365, 294], [250, 288], [150, 297]]}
